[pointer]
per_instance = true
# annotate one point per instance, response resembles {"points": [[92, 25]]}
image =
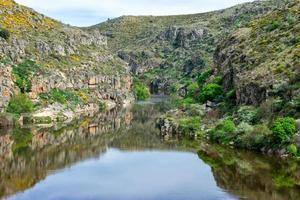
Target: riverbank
{"points": [[98, 145], [206, 122]]}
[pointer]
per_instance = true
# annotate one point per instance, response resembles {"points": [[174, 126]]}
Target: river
{"points": [[120, 155]]}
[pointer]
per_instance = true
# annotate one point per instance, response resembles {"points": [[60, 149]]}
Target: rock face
{"points": [[6, 85], [182, 37], [262, 60], [70, 58]]}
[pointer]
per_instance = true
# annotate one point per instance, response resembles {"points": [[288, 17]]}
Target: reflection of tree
{"points": [[251, 176], [28, 155]]}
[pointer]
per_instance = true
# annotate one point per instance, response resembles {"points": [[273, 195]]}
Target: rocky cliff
{"points": [[262, 60], [69, 58], [166, 52]]}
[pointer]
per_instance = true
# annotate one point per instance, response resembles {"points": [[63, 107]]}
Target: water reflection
{"points": [[118, 155], [252, 176]]}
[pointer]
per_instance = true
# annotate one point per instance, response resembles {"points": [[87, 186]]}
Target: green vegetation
{"points": [[42, 120], [19, 104], [210, 92], [140, 90], [224, 132], [63, 96], [189, 125], [23, 73], [292, 149], [4, 34], [202, 77], [284, 129], [22, 138]]}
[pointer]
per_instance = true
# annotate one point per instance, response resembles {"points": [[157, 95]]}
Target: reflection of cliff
{"points": [[24, 164], [27, 156], [251, 176]]}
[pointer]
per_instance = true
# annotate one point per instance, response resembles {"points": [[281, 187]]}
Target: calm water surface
{"points": [[119, 155]]}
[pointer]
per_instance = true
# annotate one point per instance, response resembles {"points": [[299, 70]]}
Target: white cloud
{"points": [[88, 12]]}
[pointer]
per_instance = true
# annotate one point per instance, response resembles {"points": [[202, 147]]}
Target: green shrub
{"points": [[42, 120], [189, 125], [186, 101], [23, 74], [224, 132], [202, 78], [292, 149], [273, 26], [62, 96], [20, 104], [247, 114], [192, 89], [217, 80], [256, 138], [284, 129], [4, 33], [210, 92], [140, 90]]}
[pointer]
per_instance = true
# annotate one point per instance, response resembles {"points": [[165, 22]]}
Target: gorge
{"points": [[219, 90]]}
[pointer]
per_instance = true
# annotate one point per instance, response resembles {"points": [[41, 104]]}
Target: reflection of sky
{"points": [[131, 175], [90, 12]]}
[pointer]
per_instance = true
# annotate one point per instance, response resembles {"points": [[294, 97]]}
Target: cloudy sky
{"points": [[90, 12]]}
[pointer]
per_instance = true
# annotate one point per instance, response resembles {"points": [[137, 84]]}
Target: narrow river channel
{"points": [[119, 155]]}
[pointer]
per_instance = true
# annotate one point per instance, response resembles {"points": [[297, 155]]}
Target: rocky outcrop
{"points": [[70, 58], [258, 62], [6, 85], [181, 36]]}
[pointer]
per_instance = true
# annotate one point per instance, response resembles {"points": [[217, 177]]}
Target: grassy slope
{"points": [[26, 25]]}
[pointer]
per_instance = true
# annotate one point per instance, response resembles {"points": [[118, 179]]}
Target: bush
{"points": [[192, 89], [4, 34], [210, 92], [62, 96], [189, 125], [217, 80], [23, 74], [248, 114], [20, 104], [284, 129], [186, 101], [256, 138], [202, 78], [292, 149], [140, 90], [224, 132]]}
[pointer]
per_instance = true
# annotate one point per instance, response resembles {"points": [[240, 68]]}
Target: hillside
{"points": [[171, 49], [41, 56], [237, 71]]}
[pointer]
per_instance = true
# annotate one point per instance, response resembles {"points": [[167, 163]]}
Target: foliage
{"points": [[283, 180], [210, 92], [23, 73], [189, 125], [283, 129], [217, 80], [140, 90], [192, 89], [247, 114], [292, 149], [22, 138], [202, 77], [42, 120], [186, 101], [4, 33], [19, 104], [62, 96], [255, 138], [224, 132]]}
